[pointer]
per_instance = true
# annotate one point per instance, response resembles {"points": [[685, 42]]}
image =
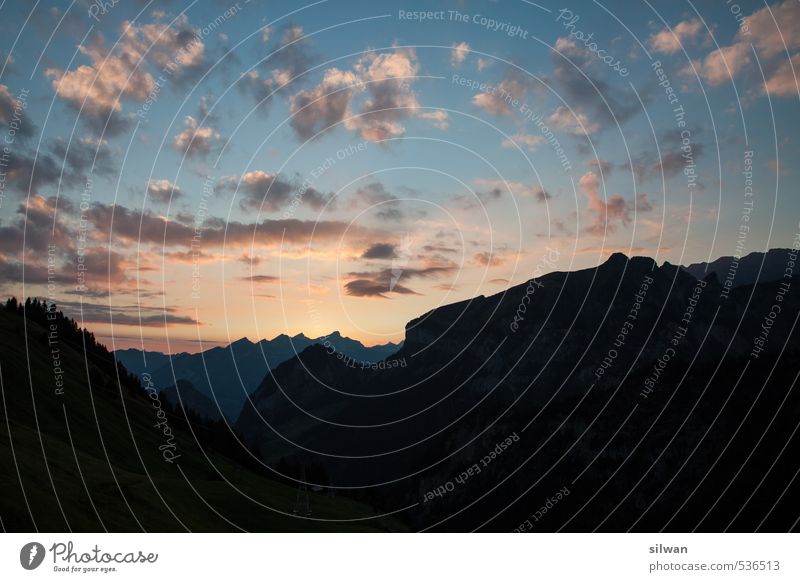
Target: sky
{"points": [[180, 175]]}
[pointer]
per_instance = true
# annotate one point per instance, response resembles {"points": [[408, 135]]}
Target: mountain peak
{"points": [[243, 341], [621, 260]]}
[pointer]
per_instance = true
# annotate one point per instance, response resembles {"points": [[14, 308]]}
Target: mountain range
{"points": [[643, 390], [755, 267], [225, 376], [624, 397]]}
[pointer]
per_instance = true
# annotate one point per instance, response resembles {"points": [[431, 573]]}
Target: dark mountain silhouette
{"points": [[227, 375], [184, 396], [753, 268], [84, 448], [654, 400], [140, 361]]}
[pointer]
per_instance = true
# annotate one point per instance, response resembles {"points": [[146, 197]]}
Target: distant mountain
{"points": [[756, 267], [184, 396], [639, 389], [227, 375], [138, 361]]}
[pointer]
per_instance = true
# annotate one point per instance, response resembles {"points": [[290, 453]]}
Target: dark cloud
{"points": [[604, 166], [373, 288], [540, 194], [390, 280], [380, 251], [148, 228], [12, 113], [261, 190], [58, 163], [35, 227], [387, 205], [134, 315], [261, 279], [282, 70], [438, 249], [586, 93]]}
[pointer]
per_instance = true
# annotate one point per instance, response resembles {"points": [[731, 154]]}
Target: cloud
{"points": [[380, 251], [643, 203], [647, 164], [673, 162], [261, 279], [12, 110], [163, 191], [195, 141], [497, 100], [572, 122], [670, 41], [607, 215], [531, 142], [375, 194], [383, 79], [133, 315], [98, 89], [385, 281], [316, 110], [147, 228], [261, 190], [540, 194], [492, 189], [459, 52], [722, 64], [783, 81], [595, 104], [487, 259], [773, 30], [37, 224], [604, 166], [289, 58], [58, 162], [438, 249], [373, 288]]}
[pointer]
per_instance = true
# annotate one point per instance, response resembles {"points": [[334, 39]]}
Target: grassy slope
{"points": [[128, 486]]}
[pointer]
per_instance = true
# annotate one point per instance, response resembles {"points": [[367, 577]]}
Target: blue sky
{"points": [[350, 166]]}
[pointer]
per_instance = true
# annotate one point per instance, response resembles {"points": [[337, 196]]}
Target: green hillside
{"points": [[80, 450]]}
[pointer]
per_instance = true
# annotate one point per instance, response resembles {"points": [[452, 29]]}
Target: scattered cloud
{"points": [[384, 79], [573, 122], [115, 74], [459, 52], [670, 41], [773, 30], [487, 259], [163, 191], [195, 140], [608, 214]]}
